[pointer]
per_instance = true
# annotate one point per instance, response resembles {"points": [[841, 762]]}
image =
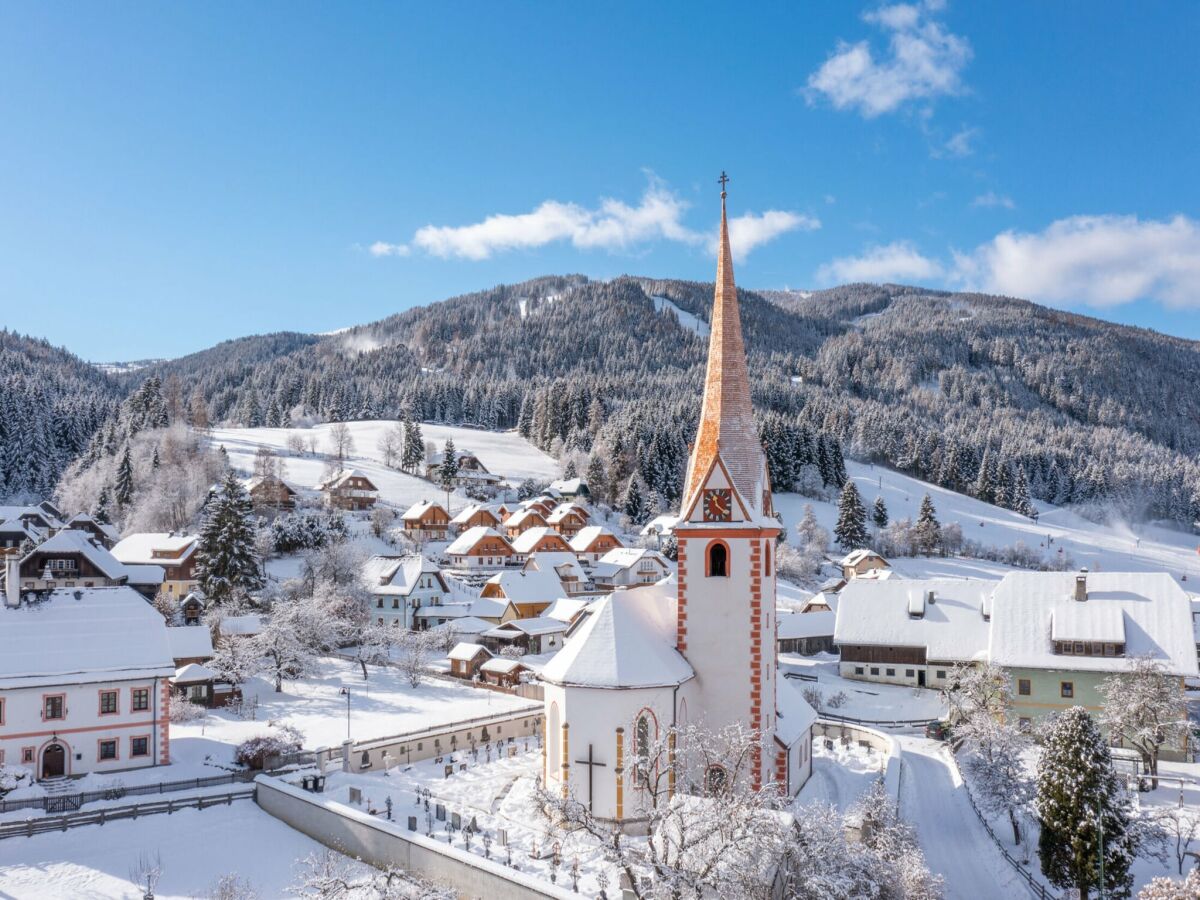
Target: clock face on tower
{"points": [[718, 504]]}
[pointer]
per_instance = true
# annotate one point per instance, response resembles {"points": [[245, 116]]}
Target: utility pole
{"points": [[346, 691]]}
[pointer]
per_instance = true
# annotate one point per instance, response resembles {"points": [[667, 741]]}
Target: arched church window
{"points": [[718, 561], [715, 779], [641, 748]]}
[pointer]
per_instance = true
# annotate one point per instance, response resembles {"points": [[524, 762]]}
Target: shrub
{"points": [[253, 753]]}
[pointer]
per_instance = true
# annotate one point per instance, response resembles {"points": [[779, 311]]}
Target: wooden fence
{"points": [[44, 824]]}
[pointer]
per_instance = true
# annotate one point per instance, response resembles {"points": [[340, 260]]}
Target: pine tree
{"points": [[226, 564], [1077, 787], [448, 470], [1021, 501], [123, 487], [414, 446], [633, 504], [851, 528], [154, 460], [927, 533], [597, 478], [570, 471], [100, 512], [879, 514]]}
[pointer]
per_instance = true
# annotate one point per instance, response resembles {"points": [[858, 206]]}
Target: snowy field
{"points": [[840, 776], [196, 847], [506, 454], [1109, 548], [863, 700], [383, 705]]}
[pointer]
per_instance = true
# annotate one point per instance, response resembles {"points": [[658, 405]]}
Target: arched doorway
{"points": [[54, 761]]}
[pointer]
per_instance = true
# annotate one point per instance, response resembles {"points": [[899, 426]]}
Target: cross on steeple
{"points": [[724, 179]]}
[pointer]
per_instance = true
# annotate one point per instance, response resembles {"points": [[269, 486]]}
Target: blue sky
{"points": [[172, 175]]}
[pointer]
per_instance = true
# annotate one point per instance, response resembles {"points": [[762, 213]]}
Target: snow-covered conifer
{"points": [[851, 528]]}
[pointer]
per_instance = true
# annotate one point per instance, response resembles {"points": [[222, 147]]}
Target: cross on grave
{"points": [[591, 764]]}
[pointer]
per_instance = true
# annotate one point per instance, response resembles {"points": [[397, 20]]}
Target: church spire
{"points": [[727, 416]]}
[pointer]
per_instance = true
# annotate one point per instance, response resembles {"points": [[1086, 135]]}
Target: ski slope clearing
{"points": [[197, 847], [692, 323], [1118, 547], [503, 453]]}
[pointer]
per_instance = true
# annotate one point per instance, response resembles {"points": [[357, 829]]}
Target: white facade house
{"points": [[400, 586], [627, 566], [479, 547], [84, 682]]}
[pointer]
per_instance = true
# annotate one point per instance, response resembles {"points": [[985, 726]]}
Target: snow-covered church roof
{"points": [[628, 642]]}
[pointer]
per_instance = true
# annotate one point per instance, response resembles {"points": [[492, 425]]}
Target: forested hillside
{"points": [[981, 394]]}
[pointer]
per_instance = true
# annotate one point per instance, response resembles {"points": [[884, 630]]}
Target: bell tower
{"points": [[726, 595]]}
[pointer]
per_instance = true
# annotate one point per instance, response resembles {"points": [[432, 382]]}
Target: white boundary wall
{"points": [[876, 740], [382, 843]]}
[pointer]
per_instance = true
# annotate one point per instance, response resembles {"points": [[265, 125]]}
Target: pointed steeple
{"points": [[727, 416]]}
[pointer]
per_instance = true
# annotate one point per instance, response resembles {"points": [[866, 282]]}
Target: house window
{"points": [[395, 603], [941, 673], [718, 561], [891, 672], [379, 603], [54, 707], [1079, 648], [858, 670], [140, 699], [26, 755], [874, 670], [1024, 688], [1067, 689], [108, 750], [910, 673], [1, 710], [139, 746], [108, 703], [1025, 724]]}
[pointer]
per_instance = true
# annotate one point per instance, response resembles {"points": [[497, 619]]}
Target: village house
{"points": [[474, 516], [1060, 634], [911, 632], [399, 586], [349, 489], [22, 525], [426, 521], [568, 519], [522, 520], [568, 610], [83, 681], [503, 672], [862, 564], [478, 548], [538, 540], [565, 565], [238, 628], [102, 533], [191, 607], [72, 559], [529, 590], [591, 543], [471, 472], [466, 658], [175, 553], [17, 533], [629, 566], [269, 493], [539, 634], [189, 644], [809, 630], [543, 505], [571, 489], [197, 683], [494, 610], [468, 627]]}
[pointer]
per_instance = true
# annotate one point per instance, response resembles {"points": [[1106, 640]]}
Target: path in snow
{"points": [[955, 843]]}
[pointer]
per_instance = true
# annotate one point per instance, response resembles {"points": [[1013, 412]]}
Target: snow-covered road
{"points": [[934, 800]]}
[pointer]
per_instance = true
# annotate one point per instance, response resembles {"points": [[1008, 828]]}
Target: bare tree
{"points": [[1179, 826], [1146, 708], [415, 648], [147, 872], [341, 442], [295, 442], [331, 876], [232, 887], [391, 445]]}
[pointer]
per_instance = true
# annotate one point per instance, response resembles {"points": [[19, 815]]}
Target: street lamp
{"points": [[346, 693]]}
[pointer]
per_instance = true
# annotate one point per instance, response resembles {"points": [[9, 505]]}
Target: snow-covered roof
{"points": [[952, 627], [529, 586], [1154, 610], [190, 641], [396, 575], [535, 626], [78, 635], [193, 673], [139, 549], [464, 651], [818, 600], [501, 665], [588, 535], [529, 538], [489, 607], [417, 510], [466, 541], [242, 625], [628, 641], [464, 625], [521, 516], [664, 524], [794, 625], [337, 479], [565, 609], [563, 510], [568, 485], [565, 564], [794, 716], [464, 515], [71, 541], [854, 557], [258, 480], [104, 527], [457, 610], [39, 510], [620, 559]]}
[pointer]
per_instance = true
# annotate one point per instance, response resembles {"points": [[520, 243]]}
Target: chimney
{"points": [[12, 581], [1081, 586]]}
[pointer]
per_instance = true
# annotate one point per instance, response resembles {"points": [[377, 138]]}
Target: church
{"points": [[698, 647]]}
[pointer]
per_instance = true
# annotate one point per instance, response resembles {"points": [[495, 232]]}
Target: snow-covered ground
{"points": [[503, 453], [196, 848], [1117, 547], [383, 705], [689, 321], [841, 775], [863, 700]]}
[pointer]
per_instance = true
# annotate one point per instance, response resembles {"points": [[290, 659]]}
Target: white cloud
{"points": [[991, 200], [750, 230], [613, 225], [960, 143], [923, 61], [898, 261], [1100, 261]]}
